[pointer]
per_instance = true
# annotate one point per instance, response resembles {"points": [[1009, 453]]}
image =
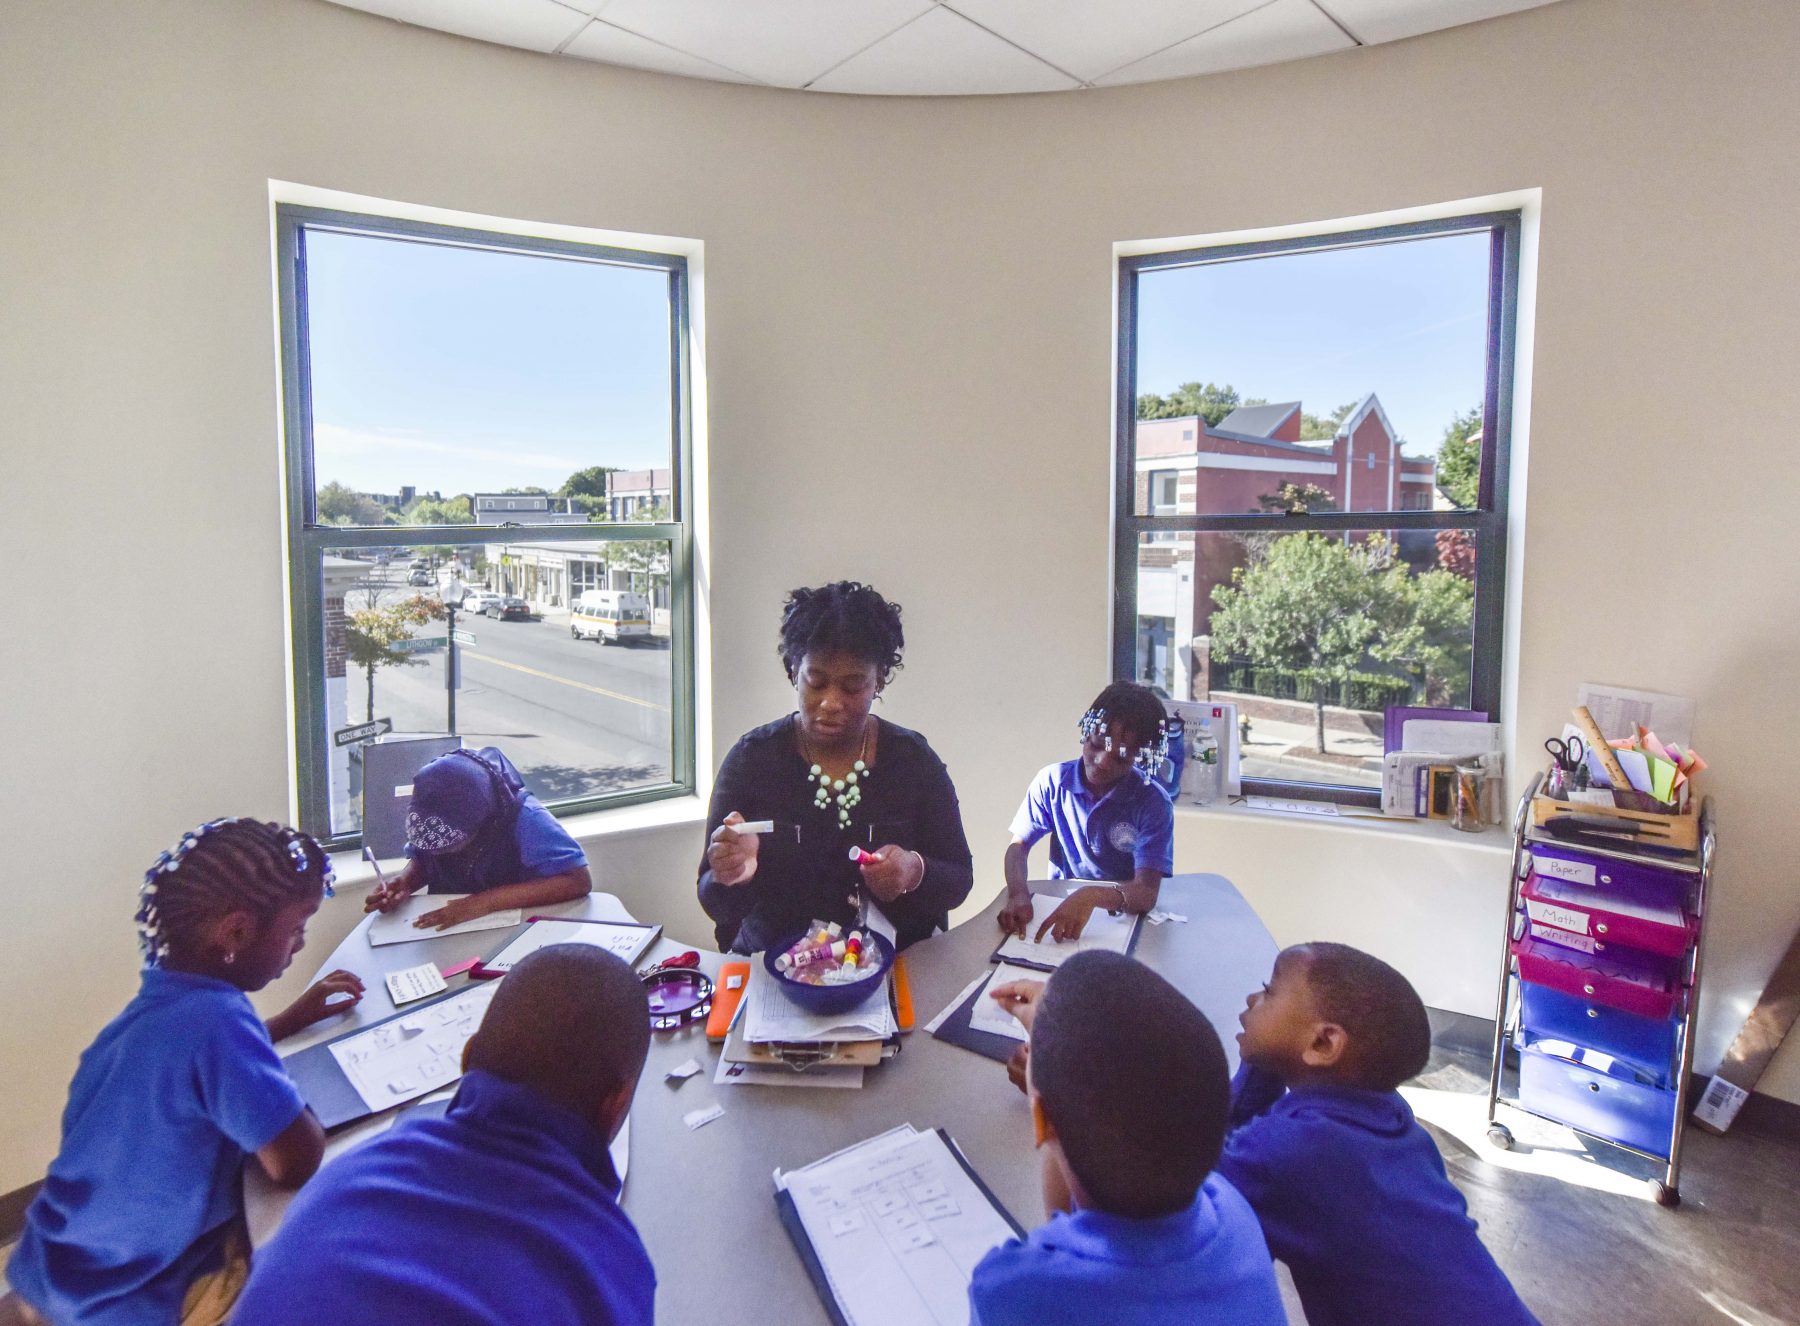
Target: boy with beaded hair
{"points": [[138, 1219], [1105, 816]]}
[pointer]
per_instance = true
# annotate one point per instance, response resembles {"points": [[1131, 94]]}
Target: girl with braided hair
{"points": [[139, 1217]]}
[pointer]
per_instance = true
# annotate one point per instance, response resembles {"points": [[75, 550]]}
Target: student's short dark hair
{"points": [[1134, 1081], [1382, 1015], [570, 1021], [847, 616], [1137, 707]]}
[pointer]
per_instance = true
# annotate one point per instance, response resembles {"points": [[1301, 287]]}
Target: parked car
{"points": [[419, 578], [509, 608], [610, 616], [420, 564], [476, 600]]}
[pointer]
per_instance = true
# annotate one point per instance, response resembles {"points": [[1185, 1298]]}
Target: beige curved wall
{"points": [[909, 319]]}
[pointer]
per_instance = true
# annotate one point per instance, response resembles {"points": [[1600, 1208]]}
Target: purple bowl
{"points": [[828, 999]]}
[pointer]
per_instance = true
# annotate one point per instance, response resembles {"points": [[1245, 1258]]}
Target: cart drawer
{"points": [[1643, 1044], [1607, 917], [1633, 982], [1605, 1100], [1664, 888]]}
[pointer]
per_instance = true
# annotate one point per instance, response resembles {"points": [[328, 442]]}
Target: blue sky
{"points": [[465, 370], [1407, 321]]}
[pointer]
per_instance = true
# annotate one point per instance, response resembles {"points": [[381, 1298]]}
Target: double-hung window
{"points": [[461, 410], [1312, 456]]}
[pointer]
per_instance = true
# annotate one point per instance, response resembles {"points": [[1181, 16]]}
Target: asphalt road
{"points": [[577, 717]]}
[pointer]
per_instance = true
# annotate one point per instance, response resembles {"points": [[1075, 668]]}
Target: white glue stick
{"points": [[752, 827]]}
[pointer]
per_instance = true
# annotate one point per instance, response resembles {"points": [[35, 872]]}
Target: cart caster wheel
{"points": [[1500, 1135], [1664, 1194]]}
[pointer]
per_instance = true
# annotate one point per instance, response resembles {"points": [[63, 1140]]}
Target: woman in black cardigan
{"points": [[834, 779]]}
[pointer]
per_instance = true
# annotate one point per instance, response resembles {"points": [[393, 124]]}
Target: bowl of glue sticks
{"points": [[826, 969]]}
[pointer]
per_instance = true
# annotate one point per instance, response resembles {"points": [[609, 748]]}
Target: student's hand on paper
{"points": [[1070, 917], [732, 855], [1016, 1068], [316, 1003], [386, 897], [1015, 915], [455, 912], [1020, 998], [894, 871]]}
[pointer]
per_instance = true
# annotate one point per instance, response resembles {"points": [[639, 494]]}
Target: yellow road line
{"points": [[551, 676]]}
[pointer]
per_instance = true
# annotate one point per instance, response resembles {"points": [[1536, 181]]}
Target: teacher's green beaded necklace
{"points": [[846, 792]]}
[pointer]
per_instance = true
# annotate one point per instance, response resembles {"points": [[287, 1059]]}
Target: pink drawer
{"points": [[1632, 982], [1605, 917]]}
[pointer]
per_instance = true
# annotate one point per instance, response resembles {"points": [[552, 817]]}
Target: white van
{"points": [[610, 615]]}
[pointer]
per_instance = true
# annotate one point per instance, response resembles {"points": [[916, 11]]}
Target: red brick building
{"points": [[1187, 466]]}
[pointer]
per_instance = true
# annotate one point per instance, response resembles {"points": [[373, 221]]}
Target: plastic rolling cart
{"points": [[1599, 987]]}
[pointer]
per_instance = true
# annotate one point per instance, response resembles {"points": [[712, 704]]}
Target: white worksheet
{"points": [[988, 1016], [1104, 931], [770, 1015], [898, 1225], [396, 927], [616, 937], [411, 1056], [414, 983]]}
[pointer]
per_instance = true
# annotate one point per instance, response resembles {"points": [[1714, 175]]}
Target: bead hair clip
{"points": [[296, 849], [1150, 755]]}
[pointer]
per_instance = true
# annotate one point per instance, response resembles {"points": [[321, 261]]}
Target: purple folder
{"points": [[1393, 724]]}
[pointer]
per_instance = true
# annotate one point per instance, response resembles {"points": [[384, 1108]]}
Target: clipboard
{"points": [[809, 1255], [956, 1030], [498, 963], [322, 1083]]}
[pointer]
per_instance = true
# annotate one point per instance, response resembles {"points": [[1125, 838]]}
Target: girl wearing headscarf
{"points": [[473, 830]]}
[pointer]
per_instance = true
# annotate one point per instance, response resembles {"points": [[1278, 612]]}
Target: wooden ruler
{"points": [[1602, 748]]}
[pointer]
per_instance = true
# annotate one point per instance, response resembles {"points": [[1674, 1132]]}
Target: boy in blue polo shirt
{"points": [[1351, 1191], [1104, 815], [504, 1208], [1129, 1092]]}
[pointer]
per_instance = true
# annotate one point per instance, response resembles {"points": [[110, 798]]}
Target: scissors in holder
{"points": [[1567, 754]]}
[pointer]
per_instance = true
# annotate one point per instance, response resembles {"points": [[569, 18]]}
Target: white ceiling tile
{"points": [[943, 54], [785, 42], [1280, 30], [1089, 39], [536, 25], [610, 45], [1389, 20]]}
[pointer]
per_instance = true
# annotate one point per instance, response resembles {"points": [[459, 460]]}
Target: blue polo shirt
{"points": [[1130, 827], [1203, 1266], [502, 1209], [1353, 1196], [164, 1107]]}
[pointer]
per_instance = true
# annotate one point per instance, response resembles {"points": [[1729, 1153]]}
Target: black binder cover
{"points": [[323, 1084]]}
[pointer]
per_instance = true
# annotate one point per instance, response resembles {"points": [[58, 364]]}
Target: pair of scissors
{"points": [[1567, 754]]}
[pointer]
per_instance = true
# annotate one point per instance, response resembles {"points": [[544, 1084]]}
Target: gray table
{"points": [[703, 1200]]}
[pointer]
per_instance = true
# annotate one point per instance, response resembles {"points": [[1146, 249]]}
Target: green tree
{"points": [[1459, 459], [590, 482], [441, 511], [1435, 643], [1313, 428], [1294, 499], [342, 505], [371, 634], [1212, 403], [645, 558], [1313, 604]]}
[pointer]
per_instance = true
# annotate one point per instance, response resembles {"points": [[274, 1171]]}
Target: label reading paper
{"points": [[1576, 872]]}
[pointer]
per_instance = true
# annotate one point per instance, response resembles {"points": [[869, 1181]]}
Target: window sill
{"points": [[354, 873], [1356, 819]]}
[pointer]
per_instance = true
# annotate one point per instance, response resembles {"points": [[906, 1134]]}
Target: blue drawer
{"points": [[1645, 1044], [1613, 1105], [1661, 888]]}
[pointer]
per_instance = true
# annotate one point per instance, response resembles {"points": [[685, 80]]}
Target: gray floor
{"points": [[1580, 1254]]}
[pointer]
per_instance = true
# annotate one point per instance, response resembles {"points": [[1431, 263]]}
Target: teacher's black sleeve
{"points": [[949, 869], [735, 788]]}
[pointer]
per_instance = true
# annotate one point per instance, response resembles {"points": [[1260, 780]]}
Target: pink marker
{"points": [[863, 858]]}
